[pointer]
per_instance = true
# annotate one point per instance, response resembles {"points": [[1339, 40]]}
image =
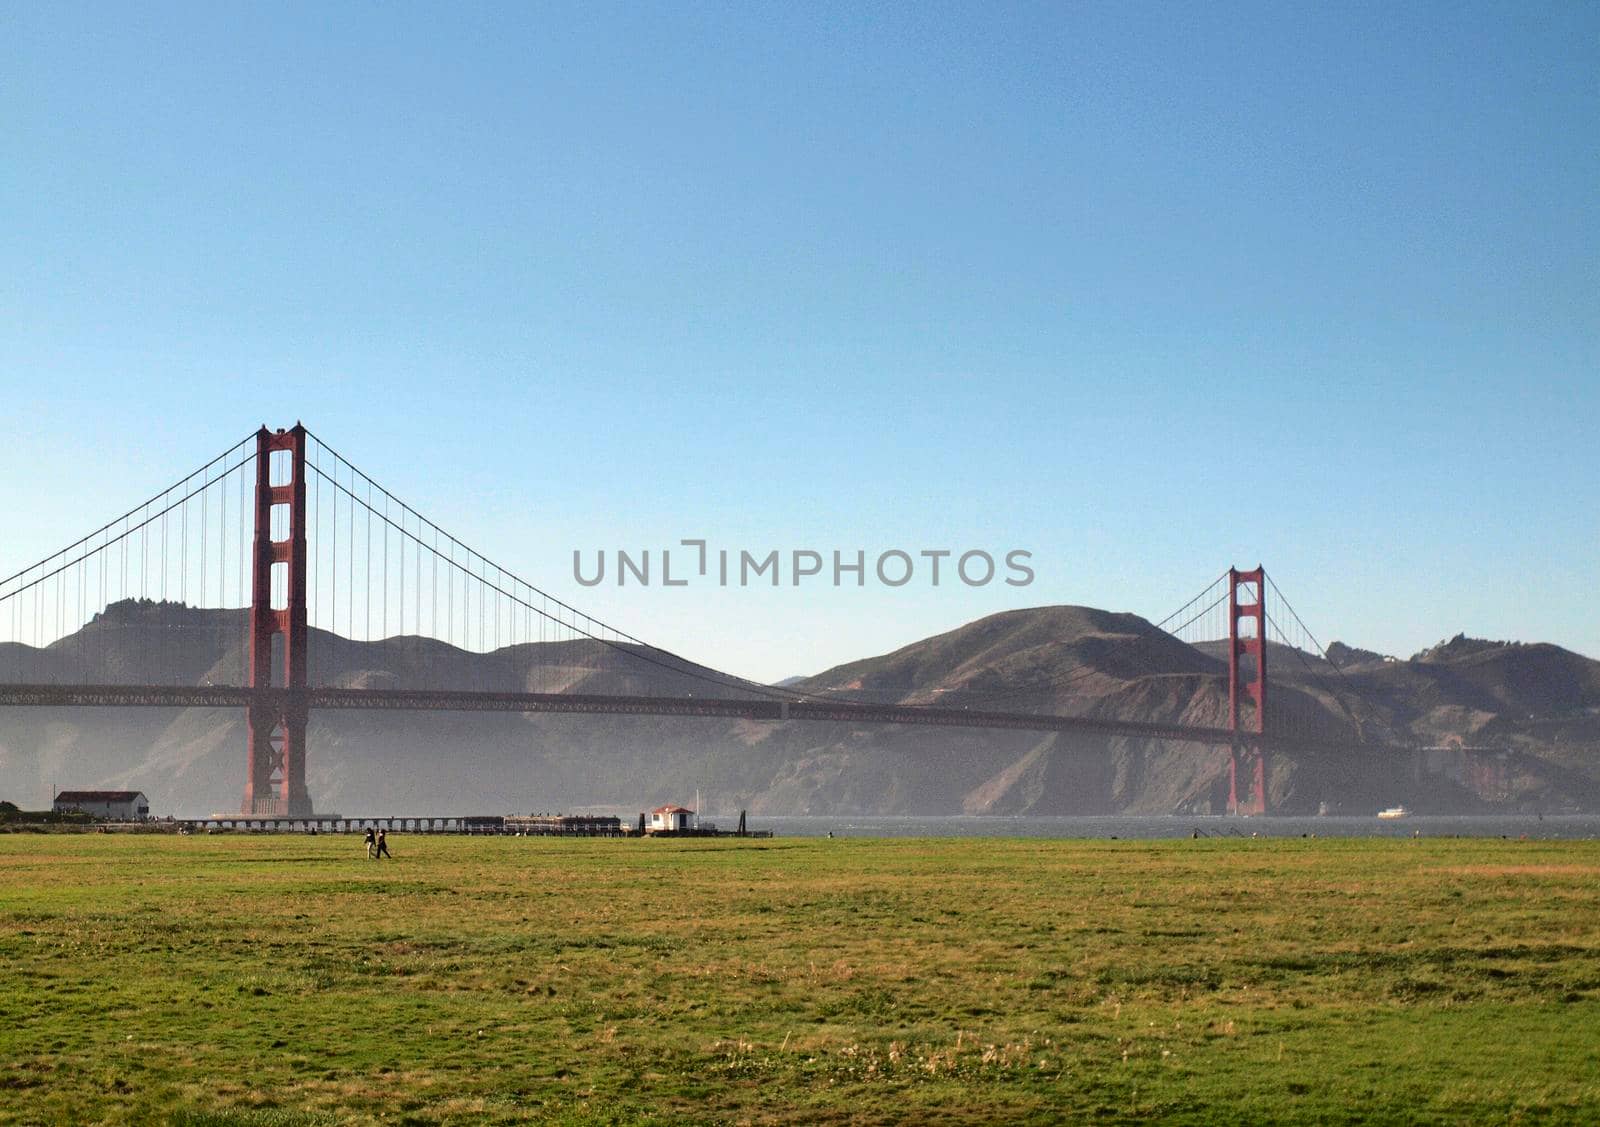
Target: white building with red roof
{"points": [[671, 818]]}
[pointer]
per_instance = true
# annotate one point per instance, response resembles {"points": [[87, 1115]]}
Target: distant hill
{"points": [[1532, 710], [1352, 657]]}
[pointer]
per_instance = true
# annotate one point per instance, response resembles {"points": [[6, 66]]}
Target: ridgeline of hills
{"points": [[1529, 716]]}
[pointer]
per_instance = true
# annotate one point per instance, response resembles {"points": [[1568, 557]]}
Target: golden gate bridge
{"points": [[279, 563]]}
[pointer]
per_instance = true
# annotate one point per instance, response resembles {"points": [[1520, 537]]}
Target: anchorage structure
{"points": [[1247, 604], [275, 782]]}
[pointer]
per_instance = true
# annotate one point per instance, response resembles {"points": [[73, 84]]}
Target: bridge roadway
{"points": [[848, 712]]}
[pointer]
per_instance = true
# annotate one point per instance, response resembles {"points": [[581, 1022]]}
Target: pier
{"points": [[501, 825], [484, 824]]}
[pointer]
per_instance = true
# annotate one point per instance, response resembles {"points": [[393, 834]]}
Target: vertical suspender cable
{"points": [[333, 570], [350, 585], [313, 657], [384, 528], [402, 602], [244, 599]]}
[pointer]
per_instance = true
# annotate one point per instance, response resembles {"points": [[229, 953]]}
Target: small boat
{"points": [[1394, 812]]}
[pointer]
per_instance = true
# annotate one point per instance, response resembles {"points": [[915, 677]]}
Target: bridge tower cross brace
{"points": [[275, 778], [1247, 602]]}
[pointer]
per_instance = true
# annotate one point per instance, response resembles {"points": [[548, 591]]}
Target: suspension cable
{"points": [[125, 535], [137, 508], [1322, 652], [687, 668]]}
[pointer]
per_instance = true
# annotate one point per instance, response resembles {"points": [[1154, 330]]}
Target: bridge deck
{"points": [[423, 700]]}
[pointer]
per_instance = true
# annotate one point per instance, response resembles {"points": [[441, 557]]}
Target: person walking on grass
{"points": [[372, 845], [383, 846]]}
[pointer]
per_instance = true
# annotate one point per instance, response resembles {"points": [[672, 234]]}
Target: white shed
{"points": [[117, 805], [671, 818]]}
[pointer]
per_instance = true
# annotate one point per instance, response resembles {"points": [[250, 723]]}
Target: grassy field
{"points": [[256, 979]]}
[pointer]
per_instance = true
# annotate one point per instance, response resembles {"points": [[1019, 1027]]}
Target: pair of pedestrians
{"points": [[377, 845]]}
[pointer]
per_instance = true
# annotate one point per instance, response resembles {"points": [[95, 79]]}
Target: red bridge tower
{"points": [[275, 782], [1247, 599]]}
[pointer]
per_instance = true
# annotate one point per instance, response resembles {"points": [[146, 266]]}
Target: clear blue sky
{"points": [[1148, 290]]}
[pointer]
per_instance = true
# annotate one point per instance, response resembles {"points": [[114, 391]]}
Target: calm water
{"points": [[1120, 826]]}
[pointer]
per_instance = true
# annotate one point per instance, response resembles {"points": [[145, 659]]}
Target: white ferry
{"points": [[1394, 812]]}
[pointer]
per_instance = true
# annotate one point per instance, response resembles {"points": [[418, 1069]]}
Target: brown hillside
{"points": [[1535, 706]]}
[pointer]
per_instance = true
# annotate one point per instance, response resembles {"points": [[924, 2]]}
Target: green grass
{"points": [[288, 980]]}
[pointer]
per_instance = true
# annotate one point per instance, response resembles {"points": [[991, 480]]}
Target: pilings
{"points": [[472, 824]]}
